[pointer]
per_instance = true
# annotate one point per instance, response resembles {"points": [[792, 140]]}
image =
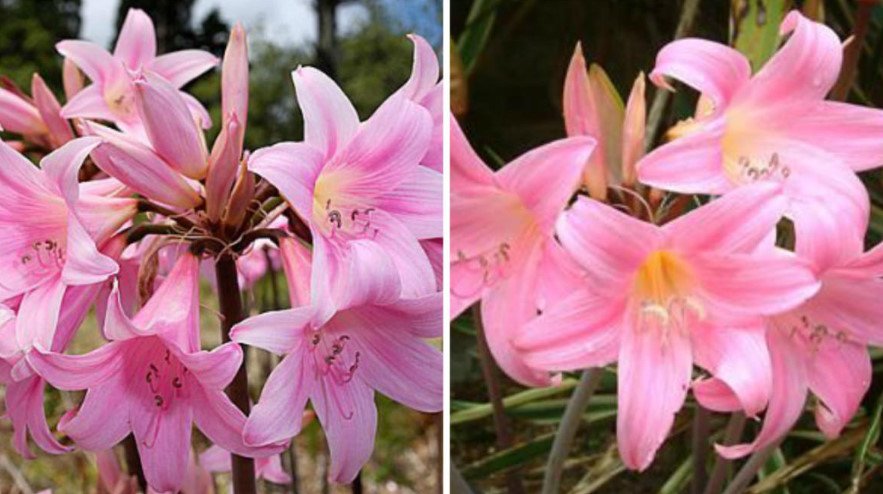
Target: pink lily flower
{"points": [[56, 247], [502, 238], [24, 388], [656, 299], [111, 96], [153, 381], [373, 342], [774, 126], [425, 89], [112, 479], [819, 347], [352, 181], [593, 108], [217, 460]]}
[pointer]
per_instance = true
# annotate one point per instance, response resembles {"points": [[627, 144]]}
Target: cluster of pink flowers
{"points": [[573, 285], [128, 201]]}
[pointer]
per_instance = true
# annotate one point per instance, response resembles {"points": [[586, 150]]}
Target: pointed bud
{"points": [[633, 126], [137, 166], [20, 116], [234, 80], [50, 110], [72, 78], [222, 168], [170, 126], [243, 194]]}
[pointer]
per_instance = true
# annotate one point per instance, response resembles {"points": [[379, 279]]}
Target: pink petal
{"points": [[349, 418], [84, 264], [421, 316], [216, 459], [75, 372], [278, 331], [38, 315], [102, 216], [137, 166], [170, 126], [214, 369], [840, 375], [219, 419], [849, 132], [467, 169], [398, 364], [738, 222], [715, 395], [278, 414], [272, 470], [136, 43], [751, 285], [293, 168], [415, 272], [370, 277], [505, 309], [183, 66], [88, 103], [713, 69], [424, 71], [24, 406], [164, 444], [102, 421], [580, 117], [197, 110], [63, 165], [417, 202], [434, 249], [330, 120], [736, 354], [587, 334], [608, 243], [434, 102], [234, 77], [173, 310], [50, 111], [851, 304], [297, 264], [689, 164], [19, 116], [93, 60], [546, 177], [787, 397], [222, 168], [654, 376], [383, 153], [72, 79], [805, 68]]}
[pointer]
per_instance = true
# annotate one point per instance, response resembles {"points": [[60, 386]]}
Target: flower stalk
{"points": [[230, 303]]}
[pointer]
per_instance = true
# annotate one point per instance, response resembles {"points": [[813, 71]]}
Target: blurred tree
{"points": [[175, 27], [28, 33]]}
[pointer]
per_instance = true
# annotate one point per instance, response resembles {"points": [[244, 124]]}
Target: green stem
{"points": [[701, 428], [732, 435], [567, 428], [749, 470]]}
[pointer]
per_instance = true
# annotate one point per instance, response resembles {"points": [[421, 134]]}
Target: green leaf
{"points": [[479, 25], [871, 437], [480, 411], [679, 479], [757, 28], [509, 458]]}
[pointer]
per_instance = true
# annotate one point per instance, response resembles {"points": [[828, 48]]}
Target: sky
{"points": [[287, 22]]}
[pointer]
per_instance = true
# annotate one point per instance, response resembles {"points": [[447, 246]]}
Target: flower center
{"points": [[745, 157], [335, 360], [337, 220], [41, 258], [662, 289], [812, 332], [165, 382], [121, 100]]}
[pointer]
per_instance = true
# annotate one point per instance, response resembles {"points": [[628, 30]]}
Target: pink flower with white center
{"points": [[217, 459], [111, 96], [373, 342], [424, 88], [359, 181], [152, 380], [819, 346], [773, 126], [593, 108], [657, 299], [502, 247], [50, 234]]}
